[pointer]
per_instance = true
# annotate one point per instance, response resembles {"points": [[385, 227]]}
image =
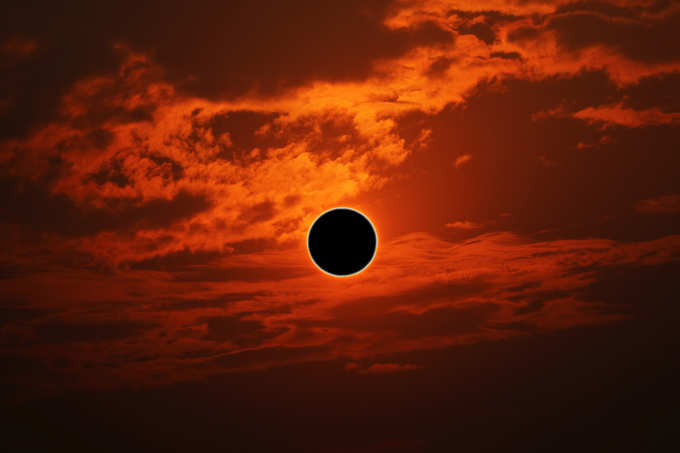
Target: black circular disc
{"points": [[342, 242]]}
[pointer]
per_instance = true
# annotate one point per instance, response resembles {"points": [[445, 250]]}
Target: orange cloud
{"points": [[463, 225], [195, 314], [462, 160], [157, 228], [621, 116]]}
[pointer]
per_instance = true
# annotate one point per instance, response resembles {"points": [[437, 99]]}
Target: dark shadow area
{"points": [[601, 388]]}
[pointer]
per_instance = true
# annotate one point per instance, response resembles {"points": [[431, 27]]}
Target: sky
{"points": [[161, 163]]}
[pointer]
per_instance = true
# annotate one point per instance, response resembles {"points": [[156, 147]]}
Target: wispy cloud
{"points": [[463, 225], [462, 160], [627, 117]]}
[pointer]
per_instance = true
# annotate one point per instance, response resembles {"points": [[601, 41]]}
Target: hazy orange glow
{"points": [[158, 189]]}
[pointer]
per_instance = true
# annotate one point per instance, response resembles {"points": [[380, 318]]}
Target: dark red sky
{"points": [[161, 162]]}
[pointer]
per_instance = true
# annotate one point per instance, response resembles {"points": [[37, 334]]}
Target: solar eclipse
{"points": [[342, 242]]}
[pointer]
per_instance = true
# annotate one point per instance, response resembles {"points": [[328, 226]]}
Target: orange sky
{"points": [[160, 166]]}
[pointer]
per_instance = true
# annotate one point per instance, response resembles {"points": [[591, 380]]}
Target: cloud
{"points": [[258, 213], [648, 40], [439, 66], [463, 225], [462, 160], [621, 116], [628, 30], [176, 174], [223, 163], [376, 306], [480, 30], [133, 132], [34, 206], [243, 128], [255, 245], [508, 174], [421, 294], [263, 59], [653, 92], [506, 55], [175, 261]]}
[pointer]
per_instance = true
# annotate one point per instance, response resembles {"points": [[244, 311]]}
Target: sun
{"points": [[342, 242]]}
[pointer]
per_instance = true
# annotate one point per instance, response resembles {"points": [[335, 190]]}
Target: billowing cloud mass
{"points": [[160, 166]]}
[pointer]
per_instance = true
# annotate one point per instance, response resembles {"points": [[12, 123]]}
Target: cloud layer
{"points": [[157, 180]]}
